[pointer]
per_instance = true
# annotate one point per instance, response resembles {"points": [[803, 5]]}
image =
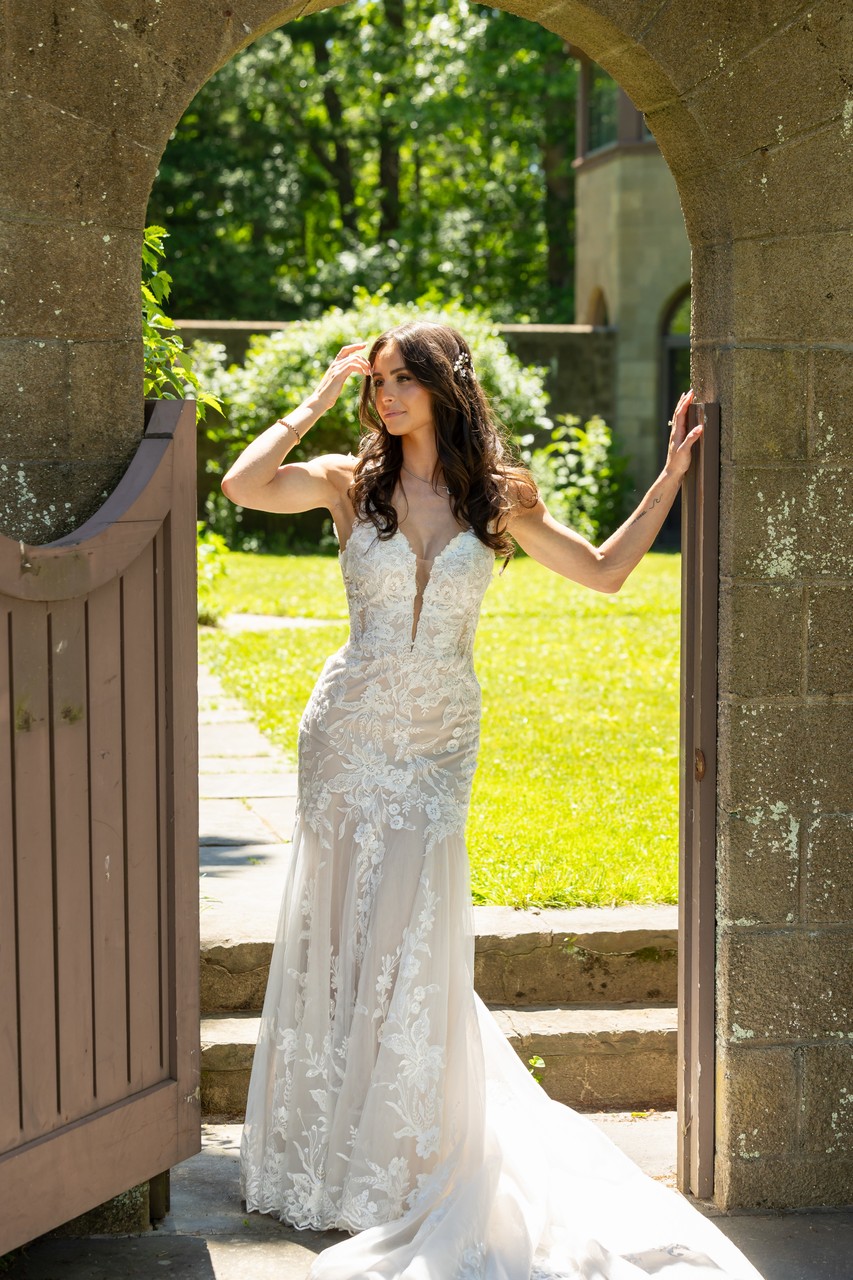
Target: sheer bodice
{"points": [[382, 593]]}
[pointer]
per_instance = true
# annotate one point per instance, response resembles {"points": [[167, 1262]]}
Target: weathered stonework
{"points": [[753, 112]]}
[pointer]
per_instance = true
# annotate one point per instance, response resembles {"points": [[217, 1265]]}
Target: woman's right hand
{"points": [[347, 362]]}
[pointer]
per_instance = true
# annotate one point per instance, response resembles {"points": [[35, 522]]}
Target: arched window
{"points": [[675, 341], [675, 379]]}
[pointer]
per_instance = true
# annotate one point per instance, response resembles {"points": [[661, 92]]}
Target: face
{"points": [[402, 403]]}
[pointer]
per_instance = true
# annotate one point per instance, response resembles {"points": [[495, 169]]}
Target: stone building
{"points": [[632, 264]]}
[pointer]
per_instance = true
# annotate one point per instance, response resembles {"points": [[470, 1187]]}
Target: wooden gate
{"points": [[697, 807], [99, 1018]]}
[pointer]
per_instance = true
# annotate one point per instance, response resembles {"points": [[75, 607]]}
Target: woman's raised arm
{"points": [[259, 480], [605, 568]]}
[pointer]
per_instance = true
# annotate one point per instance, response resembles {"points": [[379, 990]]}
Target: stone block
{"points": [[758, 874], [698, 51], [234, 977], [763, 763], [774, 191], [828, 1099], [751, 103], [42, 501], [227, 1052], [831, 428], [193, 37], [830, 640], [54, 165], [105, 407], [570, 970], [70, 281], [785, 985], [34, 374], [768, 405], [783, 523], [757, 1101], [795, 288], [827, 530], [713, 293], [704, 204], [75, 58], [831, 424], [829, 860], [761, 639], [598, 1057], [783, 1182]]}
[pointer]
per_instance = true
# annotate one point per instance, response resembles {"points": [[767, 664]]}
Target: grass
{"points": [[575, 797]]}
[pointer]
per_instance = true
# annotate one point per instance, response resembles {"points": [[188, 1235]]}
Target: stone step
{"points": [[596, 1058], [618, 955]]}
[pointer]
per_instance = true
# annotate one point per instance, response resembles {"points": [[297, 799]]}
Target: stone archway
{"points": [[755, 118]]}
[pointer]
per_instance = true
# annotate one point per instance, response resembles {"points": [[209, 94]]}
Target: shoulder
{"points": [[520, 496]]}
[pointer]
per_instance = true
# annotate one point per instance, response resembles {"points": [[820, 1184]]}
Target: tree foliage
{"points": [[582, 477], [424, 144]]}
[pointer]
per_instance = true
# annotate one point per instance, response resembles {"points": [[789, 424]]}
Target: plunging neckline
{"points": [[420, 590]]}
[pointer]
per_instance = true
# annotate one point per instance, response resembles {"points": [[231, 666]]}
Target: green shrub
{"points": [[281, 370], [583, 480]]}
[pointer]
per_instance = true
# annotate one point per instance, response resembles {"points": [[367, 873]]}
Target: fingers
{"points": [[679, 415]]}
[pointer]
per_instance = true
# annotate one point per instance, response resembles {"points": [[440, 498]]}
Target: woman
{"points": [[384, 1101]]}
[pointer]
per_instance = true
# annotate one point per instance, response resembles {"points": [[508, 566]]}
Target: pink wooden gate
{"points": [[99, 1018]]}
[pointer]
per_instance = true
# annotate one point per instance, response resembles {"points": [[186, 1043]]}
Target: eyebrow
{"points": [[401, 369]]}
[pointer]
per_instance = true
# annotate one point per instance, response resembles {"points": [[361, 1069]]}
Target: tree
{"points": [[423, 145]]}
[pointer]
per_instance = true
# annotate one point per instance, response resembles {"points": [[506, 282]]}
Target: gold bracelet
{"points": [[282, 422]]}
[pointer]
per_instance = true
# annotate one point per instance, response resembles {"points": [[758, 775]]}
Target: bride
{"points": [[384, 1102]]}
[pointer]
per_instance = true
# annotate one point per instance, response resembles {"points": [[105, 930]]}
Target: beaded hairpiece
{"points": [[462, 366]]}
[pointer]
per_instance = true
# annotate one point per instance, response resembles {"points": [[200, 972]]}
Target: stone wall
{"points": [[754, 115]]}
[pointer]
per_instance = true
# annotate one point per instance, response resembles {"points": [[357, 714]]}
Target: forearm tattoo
{"points": [[640, 514]]}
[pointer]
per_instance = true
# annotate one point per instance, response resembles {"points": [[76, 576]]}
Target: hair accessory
{"points": [[462, 366]]}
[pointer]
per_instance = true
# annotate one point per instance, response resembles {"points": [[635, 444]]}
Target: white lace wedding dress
{"points": [[384, 1100]]}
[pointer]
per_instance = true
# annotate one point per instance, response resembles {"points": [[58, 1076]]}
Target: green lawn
{"points": [[575, 797]]}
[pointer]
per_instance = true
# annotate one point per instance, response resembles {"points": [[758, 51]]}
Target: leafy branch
{"points": [[168, 373]]}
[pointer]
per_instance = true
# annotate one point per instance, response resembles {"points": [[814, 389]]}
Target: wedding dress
{"points": [[384, 1100]]}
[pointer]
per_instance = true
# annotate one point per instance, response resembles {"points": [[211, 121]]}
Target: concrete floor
{"points": [[208, 1236]]}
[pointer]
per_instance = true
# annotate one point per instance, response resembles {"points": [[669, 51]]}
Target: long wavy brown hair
{"points": [[486, 481]]}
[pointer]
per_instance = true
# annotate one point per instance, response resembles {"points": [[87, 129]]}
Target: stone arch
{"points": [[753, 119]]}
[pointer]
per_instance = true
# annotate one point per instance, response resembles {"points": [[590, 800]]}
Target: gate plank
{"points": [[74, 916], [107, 852], [140, 720], [35, 877], [181, 625], [168, 1063], [10, 1082]]}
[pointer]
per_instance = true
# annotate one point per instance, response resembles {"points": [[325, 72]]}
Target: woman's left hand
{"points": [[681, 441]]}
